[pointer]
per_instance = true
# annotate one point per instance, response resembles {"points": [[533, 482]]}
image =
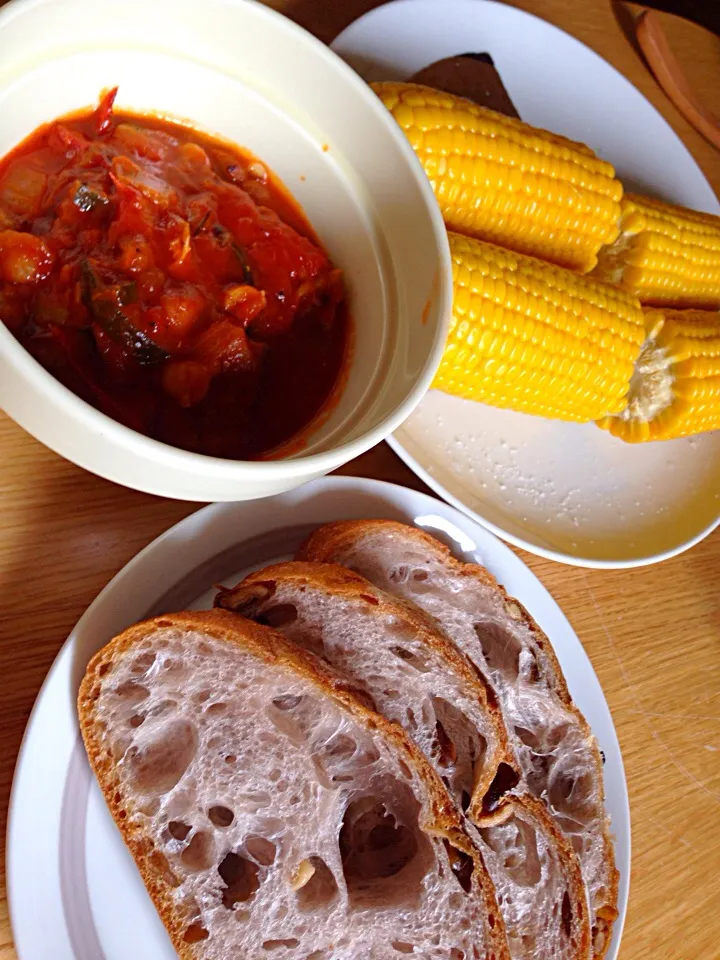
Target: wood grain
{"points": [[653, 634]]}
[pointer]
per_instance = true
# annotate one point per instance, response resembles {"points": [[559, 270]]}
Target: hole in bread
{"points": [[530, 668], [221, 816], [274, 775], [566, 915], [419, 575], [179, 830], [515, 842], [414, 659], [461, 864], [288, 702], [380, 840], [132, 690], [281, 714], [368, 598], [157, 760], [362, 695], [143, 663], [240, 877], [136, 720], [230, 758], [103, 668], [505, 779], [341, 759], [216, 709], [458, 749], [195, 933], [274, 944], [529, 738], [398, 574], [278, 616], [199, 854], [319, 888], [339, 749], [261, 850], [402, 947], [201, 696], [444, 749], [571, 796], [501, 648], [456, 954]]}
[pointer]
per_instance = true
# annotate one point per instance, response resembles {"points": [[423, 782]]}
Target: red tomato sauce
{"points": [[171, 281]]}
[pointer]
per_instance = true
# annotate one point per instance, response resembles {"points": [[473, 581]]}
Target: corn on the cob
{"points": [[675, 390], [537, 338], [500, 180], [666, 255]]}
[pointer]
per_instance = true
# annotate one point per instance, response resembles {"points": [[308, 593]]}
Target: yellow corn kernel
{"points": [[675, 391], [533, 337], [500, 180], [667, 256]]}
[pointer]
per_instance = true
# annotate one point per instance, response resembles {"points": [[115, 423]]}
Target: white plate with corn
{"points": [[614, 321]]}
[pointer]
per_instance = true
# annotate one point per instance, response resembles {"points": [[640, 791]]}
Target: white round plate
{"points": [[570, 492], [73, 888]]}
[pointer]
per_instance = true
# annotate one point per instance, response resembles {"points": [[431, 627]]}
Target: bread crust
{"points": [[269, 646], [329, 541]]}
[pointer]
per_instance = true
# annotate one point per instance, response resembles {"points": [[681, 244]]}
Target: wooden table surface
{"points": [[653, 634]]}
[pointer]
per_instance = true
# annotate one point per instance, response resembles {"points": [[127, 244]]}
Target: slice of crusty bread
{"points": [[554, 747], [538, 882], [415, 676], [271, 813]]}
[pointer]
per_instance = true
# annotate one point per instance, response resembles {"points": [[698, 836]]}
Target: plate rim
{"points": [[571, 560], [392, 496], [394, 440]]}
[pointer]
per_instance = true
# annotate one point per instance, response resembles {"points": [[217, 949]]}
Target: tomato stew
{"points": [[169, 280]]}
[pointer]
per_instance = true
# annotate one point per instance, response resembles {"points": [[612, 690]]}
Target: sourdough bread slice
{"points": [[555, 751], [271, 813], [392, 651], [417, 678]]}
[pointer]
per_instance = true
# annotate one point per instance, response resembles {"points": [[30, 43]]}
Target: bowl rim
{"points": [[149, 449]]}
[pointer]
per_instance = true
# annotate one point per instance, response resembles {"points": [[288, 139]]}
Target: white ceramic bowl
{"points": [[239, 70]]}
